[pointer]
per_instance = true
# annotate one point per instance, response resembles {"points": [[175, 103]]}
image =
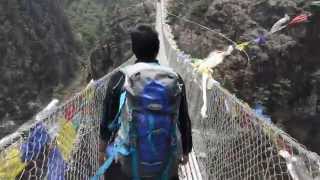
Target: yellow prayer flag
{"points": [[90, 94], [205, 70], [242, 46], [11, 164], [66, 138]]}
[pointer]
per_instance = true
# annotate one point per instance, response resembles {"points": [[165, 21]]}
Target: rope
{"points": [[204, 27], [211, 30]]}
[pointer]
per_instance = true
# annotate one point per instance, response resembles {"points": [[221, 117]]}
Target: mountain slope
{"points": [[38, 57], [102, 28]]}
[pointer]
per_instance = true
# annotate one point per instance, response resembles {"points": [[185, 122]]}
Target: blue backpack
{"points": [[148, 142]]}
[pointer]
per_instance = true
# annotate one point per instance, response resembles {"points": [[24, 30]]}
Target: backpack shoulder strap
{"points": [[115, 124]]}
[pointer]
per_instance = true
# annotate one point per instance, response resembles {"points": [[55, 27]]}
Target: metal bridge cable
{"points": [[179, 2], [211, 30], [204, 27]]}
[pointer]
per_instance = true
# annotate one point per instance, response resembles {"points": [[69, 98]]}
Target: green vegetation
{"points": [[101, 28], [91, 20], [86, 17]]}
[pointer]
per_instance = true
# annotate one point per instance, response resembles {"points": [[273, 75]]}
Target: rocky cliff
{"points": [[283, 75], [37, 57]]}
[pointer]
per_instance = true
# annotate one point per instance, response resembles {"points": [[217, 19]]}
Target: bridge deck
{"points": [[191, 170]]}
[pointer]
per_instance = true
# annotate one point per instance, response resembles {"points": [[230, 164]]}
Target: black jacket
{"points": [[111, 104]]}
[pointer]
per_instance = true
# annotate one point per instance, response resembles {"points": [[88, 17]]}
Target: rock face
{"points": [[102, 27], [37, 56], [283, 75]]}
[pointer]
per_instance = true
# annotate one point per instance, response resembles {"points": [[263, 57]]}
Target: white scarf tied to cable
{"points": [[296, 167], [280, 24], [205, 68]]}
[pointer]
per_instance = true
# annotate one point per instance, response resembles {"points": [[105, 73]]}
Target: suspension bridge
{"points": [[231, 143]]}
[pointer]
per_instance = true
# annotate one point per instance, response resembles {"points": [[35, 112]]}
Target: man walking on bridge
{"points": [[145, 125]]}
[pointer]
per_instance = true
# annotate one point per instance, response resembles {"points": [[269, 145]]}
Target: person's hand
{"points": [[102, 157], [184, 160], [102, 154]]}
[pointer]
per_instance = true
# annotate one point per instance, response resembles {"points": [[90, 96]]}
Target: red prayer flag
{"points": [[299, 19], [69, 112]]}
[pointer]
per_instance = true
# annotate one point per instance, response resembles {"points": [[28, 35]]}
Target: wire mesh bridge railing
{"points": [[231, 143]]}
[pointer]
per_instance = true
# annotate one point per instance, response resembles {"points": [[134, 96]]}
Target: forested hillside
{"points": [[37, 58], [101, 28]]}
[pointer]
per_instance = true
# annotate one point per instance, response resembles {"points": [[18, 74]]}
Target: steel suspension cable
{"points": [[209, 29]]}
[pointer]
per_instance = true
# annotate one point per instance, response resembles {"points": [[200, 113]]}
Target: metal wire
{"points": [[211, 30]]}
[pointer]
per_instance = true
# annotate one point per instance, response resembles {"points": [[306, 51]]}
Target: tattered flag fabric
{"points": [[70, 110], [66, 138], [296, 166], [56, 165], [12, 164], [299, 19], [280, 24], [205, 68], [242, 46], [35, 143], [261, 40]]}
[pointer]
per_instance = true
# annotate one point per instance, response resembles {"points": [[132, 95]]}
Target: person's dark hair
{"points": [[145, 42]]}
